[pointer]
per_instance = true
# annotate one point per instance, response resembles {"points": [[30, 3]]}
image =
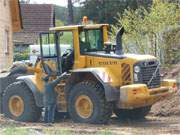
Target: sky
{"points": [[57, 2]]}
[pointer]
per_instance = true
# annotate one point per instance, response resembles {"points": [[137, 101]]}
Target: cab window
{"points": [[65, 41], [48, 45], [91, 40]]}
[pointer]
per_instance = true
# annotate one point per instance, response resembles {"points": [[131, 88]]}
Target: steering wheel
{"points": [[67, 59], [67, 52]]}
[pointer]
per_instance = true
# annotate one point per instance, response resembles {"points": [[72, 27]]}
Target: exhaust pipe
{"points": [[119, 49]]}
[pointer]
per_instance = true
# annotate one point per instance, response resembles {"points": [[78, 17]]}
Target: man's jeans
{"points": [[49, 113]]}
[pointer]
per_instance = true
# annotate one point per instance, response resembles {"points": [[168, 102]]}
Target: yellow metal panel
{"points": [[114, 66], [168, 82], [65, 28], [75, 27], [138, 95], [37, 79], [79, 61], [105, 33], [94, 26]]}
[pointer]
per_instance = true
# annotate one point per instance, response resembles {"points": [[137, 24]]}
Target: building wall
{"points": [[6, 54]]}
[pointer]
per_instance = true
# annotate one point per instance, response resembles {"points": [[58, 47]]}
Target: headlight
{"points": [[137, 69], [136, 77]]}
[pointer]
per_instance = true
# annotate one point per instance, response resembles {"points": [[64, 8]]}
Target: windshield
{"points": [[91, 40]]}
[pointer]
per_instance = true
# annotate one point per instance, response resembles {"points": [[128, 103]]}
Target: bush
{"points": [[145, 29], [21, 56]]}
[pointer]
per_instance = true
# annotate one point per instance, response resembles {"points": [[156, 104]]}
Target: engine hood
{"points": [[138, 57], [133, 57]]}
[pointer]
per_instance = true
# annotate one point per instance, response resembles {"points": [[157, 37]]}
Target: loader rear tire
{"points": [[138, 113], [87, 103], [19, 103]]}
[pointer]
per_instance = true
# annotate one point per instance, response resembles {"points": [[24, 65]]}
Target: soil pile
{"points": [[167, 107], [171, 105]]}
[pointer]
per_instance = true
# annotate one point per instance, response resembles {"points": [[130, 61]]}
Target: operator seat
{"points": [[84, 47]]}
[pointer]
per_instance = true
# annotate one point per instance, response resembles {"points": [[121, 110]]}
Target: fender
{"points": [[38, 96], [98, 74]]}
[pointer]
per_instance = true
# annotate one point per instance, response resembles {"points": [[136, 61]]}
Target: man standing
{"points": [[50, 96]]}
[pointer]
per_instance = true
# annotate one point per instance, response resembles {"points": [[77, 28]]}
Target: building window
{"points": [[6, 42]]}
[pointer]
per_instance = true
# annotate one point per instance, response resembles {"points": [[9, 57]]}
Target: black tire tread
{"points": [[34, 112], [106, 107]]}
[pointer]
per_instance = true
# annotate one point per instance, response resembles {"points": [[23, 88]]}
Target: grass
{"points": [[14, 131], [58, 132], [11, 130], [29, 131], [104, 132]]}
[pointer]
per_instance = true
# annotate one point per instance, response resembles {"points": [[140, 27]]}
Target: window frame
{"points": [[6, 41], [84, 30]]}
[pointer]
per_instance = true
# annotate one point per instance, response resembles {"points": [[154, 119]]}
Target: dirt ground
{"points": [[151, 125]]}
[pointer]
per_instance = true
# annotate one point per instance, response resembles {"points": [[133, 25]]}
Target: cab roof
{"points": [[75, 27]]}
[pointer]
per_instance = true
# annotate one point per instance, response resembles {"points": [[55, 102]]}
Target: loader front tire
{"points": [[137, 113], [19, 103], [87, 103]]}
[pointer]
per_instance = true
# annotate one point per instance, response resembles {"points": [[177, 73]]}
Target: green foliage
{"points": [[27, 131], [66, 38], [59, 23], [77, 15], [172, 44], [105, 11], [48, 131], [145, 29], [61, 14], [21, 56]]}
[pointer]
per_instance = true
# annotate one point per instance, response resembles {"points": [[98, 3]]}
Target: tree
{"points": [[70, 12], [105, 11], [61, 13], [145, 29]]}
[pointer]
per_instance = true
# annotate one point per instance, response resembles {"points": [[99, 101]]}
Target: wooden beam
{"points": [[15, 15]]}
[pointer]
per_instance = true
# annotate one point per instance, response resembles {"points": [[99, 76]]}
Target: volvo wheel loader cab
{"points": [[100, 78]]}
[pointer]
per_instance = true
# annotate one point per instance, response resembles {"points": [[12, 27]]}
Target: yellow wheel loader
{"points": [[100, 79]]}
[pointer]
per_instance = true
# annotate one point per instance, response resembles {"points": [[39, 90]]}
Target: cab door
{"points": [[50, 53]]}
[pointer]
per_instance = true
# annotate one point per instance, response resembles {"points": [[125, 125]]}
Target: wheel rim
{"points": [[84, 106], [16, 105]]}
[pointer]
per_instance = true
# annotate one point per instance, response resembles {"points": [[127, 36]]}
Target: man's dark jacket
{"points": [[50, 94]]}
